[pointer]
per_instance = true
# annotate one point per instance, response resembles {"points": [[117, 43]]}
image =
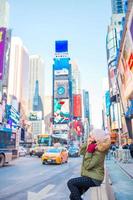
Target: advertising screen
{"points": [[61, 66], [115, 116], [113, 83], [86, 104], [35, 115], [2, 50], [108, 103], [131, 28], [77, 106], [61, 46], [61, 111], [61, 89]]}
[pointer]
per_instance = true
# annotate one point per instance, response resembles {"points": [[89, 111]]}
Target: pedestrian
{"points": [[92, 170], [125, 146], [131, 148]]}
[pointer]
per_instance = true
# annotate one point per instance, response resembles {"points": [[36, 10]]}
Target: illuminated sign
{"points": [[61, 111], [130, 61], [61, 46], [77, 105], [61, 89], [2, 50]]}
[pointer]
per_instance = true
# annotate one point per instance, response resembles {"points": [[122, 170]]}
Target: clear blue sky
{"points": [[82, 22]]}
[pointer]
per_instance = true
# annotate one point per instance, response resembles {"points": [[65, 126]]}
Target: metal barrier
{"points": [[122, 155]]}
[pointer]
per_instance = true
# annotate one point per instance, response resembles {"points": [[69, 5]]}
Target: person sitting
{"points": [[92, 170]]}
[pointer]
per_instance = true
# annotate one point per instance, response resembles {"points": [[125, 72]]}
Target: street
{"points": [[27, 179]]}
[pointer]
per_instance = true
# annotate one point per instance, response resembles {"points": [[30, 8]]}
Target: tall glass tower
{"points": [[117, 6]]}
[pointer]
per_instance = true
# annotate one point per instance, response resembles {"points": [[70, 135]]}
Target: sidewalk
{"points": [[121, 175]]}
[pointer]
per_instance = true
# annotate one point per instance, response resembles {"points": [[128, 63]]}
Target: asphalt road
{"points": [[27, 179]]}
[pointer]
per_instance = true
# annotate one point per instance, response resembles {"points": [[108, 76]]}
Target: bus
{"points": [[44, 139], [7, 144]]}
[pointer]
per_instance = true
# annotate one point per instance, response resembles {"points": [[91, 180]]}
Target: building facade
{"points": [[18, 81], [36, 76], [119, 92], [4, 13], [62, 88]]}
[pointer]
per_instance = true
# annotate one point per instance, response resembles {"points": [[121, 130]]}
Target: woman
{"points": [[92, 170]]}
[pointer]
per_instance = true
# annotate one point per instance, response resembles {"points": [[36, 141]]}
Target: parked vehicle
{"points": [[55, 155], [73, 151], [22, 151], [5, 146]]}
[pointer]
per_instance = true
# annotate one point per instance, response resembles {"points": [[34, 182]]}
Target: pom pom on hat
{"points": [[99, 134]]}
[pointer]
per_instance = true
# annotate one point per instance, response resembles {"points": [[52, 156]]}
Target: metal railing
{"points": [[122, 155]]}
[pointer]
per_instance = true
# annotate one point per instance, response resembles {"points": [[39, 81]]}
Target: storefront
{"points": [[125, 72]]}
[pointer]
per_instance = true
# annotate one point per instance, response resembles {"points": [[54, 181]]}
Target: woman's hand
{"points": [[90, 140]]}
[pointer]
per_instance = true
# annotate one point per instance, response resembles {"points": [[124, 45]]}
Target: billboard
{"points": [[12, 115], [126, 62], [2, 50], [61, 66], [131, 28], [86, 104], [35, 115], [61, 46], [115, 116], [61, 89], [77, 105], [7, 57], [61, 111], [107, 102], [112, 82]]}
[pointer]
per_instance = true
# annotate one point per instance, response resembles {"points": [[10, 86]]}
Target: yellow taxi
{"points": [[56, 155]]}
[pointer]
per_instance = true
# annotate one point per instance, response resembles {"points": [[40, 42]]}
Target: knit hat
{"points": [[99, 134]]}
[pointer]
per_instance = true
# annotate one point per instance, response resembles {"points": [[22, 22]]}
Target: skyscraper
{"points": [[37, 102], [36, 81], [4, 13], [18, 82], [117, 6]]}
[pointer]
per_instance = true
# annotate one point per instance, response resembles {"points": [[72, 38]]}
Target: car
{"points": [[73, 151], [57, 155], [37, 150], [33, 150], [22, 151]]}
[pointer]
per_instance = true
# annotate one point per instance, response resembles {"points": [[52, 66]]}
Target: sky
{"points": [[83, 23]]}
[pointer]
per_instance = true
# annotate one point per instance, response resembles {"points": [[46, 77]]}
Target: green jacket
{"points": [[93, 163]]}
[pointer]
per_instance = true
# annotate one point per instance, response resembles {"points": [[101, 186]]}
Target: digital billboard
{"points": [[61, 66], [131, 28], [61, 111], [61, 89], [115, 116], [35, 115], [2, 50], [61, 46], [112, 82], [108, 102], [86, 104], [77, 105]]}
